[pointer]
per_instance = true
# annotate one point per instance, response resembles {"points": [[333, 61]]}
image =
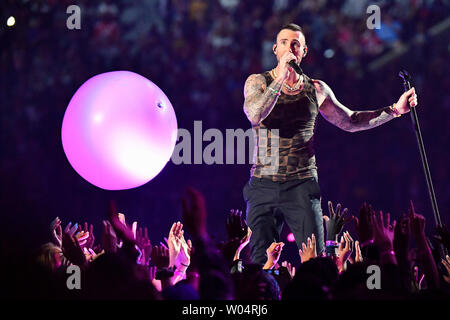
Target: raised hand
{"points": [[236, 225], [56, 232], [417, 223], [443, 236], [243, 243], [194, 213], [89, 229], [82, 238], [109, 238], [232, 249], [143, 242], [401, 240], [363, 224], [72, 250], [336, 221], [273, 254], [152, 273], [446, 264], [174, 242], [358, 254], [308, 251], [160, 257], [117, 221], [290, 268], [69, 229], [229, 249], [344, 251], [184, 258], [90, 254], [383, 233]]}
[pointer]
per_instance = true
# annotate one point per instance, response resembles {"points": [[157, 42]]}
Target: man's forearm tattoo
{"points": [[258, 104], [363, 120]]}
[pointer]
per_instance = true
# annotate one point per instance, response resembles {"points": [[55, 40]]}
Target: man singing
{"points": [[282, 106]]}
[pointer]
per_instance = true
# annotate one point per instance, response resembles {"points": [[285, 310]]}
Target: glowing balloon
{"points": [[119, 130]]}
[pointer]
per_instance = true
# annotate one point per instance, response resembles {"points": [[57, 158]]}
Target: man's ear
{"points": [[305, 51], [274, 48]]}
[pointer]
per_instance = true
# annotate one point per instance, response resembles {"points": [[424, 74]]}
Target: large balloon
{"points": [[119, 130]]}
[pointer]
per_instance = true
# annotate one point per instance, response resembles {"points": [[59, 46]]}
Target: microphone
{"points": [[296, 67]]}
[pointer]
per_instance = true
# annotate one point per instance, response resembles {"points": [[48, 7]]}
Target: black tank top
{"points": [[288, 131]]}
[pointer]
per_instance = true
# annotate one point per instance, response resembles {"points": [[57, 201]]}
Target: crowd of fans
{"points": [[123, 263], [199, 53]]}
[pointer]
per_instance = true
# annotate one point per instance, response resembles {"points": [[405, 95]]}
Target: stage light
{"points": [[329, 53], [11, 21]]}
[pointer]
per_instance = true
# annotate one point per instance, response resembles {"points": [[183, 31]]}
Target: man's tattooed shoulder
{"points": [[254, 83]]}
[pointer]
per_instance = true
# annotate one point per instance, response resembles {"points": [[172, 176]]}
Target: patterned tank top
{"points": [[283, 141]]}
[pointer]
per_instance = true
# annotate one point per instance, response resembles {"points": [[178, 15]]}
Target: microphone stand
{"points": [[437, 218]]}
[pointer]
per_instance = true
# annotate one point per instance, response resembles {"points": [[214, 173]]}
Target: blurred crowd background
{"points": [[200, 53]]}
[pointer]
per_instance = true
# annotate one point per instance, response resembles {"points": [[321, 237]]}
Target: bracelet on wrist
{"points": [[278, 93], [395, 112]]}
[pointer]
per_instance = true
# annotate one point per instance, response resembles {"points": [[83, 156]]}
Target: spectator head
{"points": [[256, 284], [50, 256], [313, 280], [324, 267], [215, 285]]}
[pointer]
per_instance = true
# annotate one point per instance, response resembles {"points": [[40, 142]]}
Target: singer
{"points": [[283, 104]]}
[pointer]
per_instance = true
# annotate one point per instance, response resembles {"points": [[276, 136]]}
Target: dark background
{"points": [[200, 53]]}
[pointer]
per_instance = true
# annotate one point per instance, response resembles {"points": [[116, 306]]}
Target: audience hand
{"points": [[417, 223], [336, 221], [56, 232], [194, 213], [117, 221], [160, 257], [358, 254], [273, 254], [174, 242], [89, 229], [143, 242], [236, 225], [345, 250], [443, 236], [308, 251], [109, 238], [72, 250], [383, 231], [446, 264], [363, 224], [290, 268], [401, 240]]}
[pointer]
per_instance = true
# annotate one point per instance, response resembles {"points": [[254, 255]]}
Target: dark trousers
{"points": [[270, 203]]}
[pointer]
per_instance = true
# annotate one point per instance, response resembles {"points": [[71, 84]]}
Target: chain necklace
{"points": [[289, 88]]}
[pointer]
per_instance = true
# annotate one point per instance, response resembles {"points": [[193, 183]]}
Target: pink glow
{"points": [[119, 130], [290, 237]]}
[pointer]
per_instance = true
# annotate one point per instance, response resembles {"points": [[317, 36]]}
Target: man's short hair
{"points": [[293, 27]]}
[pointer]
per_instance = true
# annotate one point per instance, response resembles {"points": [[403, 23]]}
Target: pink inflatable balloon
{"points": [[119, 130]]}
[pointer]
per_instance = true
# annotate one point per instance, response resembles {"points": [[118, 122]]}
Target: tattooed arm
{"points": [[352, 121], [259, 99]]}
